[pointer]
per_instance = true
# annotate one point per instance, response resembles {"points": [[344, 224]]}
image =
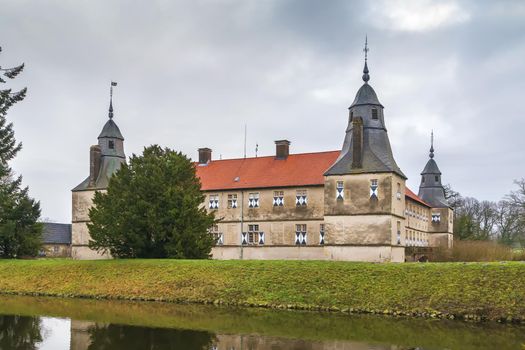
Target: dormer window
{"points": [[111, 144], [375, 114]]}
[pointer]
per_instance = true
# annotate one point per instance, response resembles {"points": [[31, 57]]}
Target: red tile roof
{"points": [[304, 169], [415, 197]]}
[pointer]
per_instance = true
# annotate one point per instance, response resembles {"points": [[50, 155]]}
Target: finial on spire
{"points": [[366, 76], [111, 99], [432, 144]]}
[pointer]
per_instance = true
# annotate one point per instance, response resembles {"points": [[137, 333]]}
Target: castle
{"points": [[350, 204]]}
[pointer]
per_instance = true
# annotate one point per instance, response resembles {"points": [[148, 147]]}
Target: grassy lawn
{"points": [[483, 290]]}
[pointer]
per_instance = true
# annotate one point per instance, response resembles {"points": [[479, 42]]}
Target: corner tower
{"points": [[105, 159], [432, 192], [365, 189]]}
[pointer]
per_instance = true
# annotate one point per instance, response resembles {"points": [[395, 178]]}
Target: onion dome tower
{"points": [[364, 190], [366, 148], [106, 157], [431, 190]]}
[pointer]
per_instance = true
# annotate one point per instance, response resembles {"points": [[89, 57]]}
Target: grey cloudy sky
{"points": [[191, 73]]}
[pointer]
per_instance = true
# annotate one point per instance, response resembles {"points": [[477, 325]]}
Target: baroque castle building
{"points": [[351, 204]]}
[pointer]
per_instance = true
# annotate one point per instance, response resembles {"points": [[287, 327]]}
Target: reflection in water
{"points": [[92, 325], [21, 333], [116, 337]]}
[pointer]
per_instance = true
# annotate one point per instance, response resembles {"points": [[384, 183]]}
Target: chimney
{"points": [[357, 143], [282, 149], [94, 164], [204, 155]]}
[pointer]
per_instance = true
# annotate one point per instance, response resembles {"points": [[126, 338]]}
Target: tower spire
{"points": [[366, 76], [431, 155], [111, 99]]}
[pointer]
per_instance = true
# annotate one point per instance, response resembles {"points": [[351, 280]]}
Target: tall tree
{"points": [[152, 209], [514, 217], [20, 234]]}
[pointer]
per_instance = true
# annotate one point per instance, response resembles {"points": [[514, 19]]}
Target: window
{"points": [[399, 232], [436, 178], [55, 249], [423, 180], [301, 198], [253, 200], [321, 234], [374, 114], [340, 190], [351, 117], [436, 218], [300, 234], [214, 202], [398, 194], [218, 236], [278, 198], [373, 188], [111, 144], [253, 236], [232, 201]]}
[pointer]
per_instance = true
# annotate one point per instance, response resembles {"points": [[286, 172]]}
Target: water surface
{"points": [[77, 324]]}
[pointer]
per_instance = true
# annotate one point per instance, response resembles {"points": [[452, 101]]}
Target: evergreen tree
{"points": [[152, 209], [20, 234]]}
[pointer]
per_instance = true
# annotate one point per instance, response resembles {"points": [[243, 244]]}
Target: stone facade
{"points": [[351, 204]]}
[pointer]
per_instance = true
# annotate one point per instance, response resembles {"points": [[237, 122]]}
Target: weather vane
{"points": [[366, 49], [111, 99], [366, 76]]}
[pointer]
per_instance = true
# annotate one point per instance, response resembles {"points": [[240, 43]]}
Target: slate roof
{"points": [[54, 233], [431, 168], [111, 130], [304, 169], [366, 96], [109, 166]]}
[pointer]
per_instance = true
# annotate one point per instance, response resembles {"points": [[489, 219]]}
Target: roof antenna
{"points": [[111, 99], [245, 127], [431, 155], [366, 76], [256, 148]]}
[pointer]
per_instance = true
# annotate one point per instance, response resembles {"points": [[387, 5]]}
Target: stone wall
{"points": [[56, 250], [82, 202], [327, 252]]}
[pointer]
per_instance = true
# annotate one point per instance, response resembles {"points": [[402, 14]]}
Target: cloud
{"points": [[192, 73], [416, 15]]}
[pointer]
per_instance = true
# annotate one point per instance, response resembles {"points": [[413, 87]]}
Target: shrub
{"points": [[468, 251]]}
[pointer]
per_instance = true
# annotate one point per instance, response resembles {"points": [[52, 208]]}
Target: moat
{"points": [[77, 324]]}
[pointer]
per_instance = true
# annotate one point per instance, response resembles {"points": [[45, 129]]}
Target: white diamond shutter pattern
{"points": [[436, 217], [300, 237], [253, 203], [221, 239], [278, 201], [340, 195], [214, 202], [301, 200], [373, 191], [321, 237], [244, 238], [261, 237], [234, 203]]}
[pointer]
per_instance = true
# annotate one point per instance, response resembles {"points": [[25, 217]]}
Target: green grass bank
{"points": [[478, 291]]}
